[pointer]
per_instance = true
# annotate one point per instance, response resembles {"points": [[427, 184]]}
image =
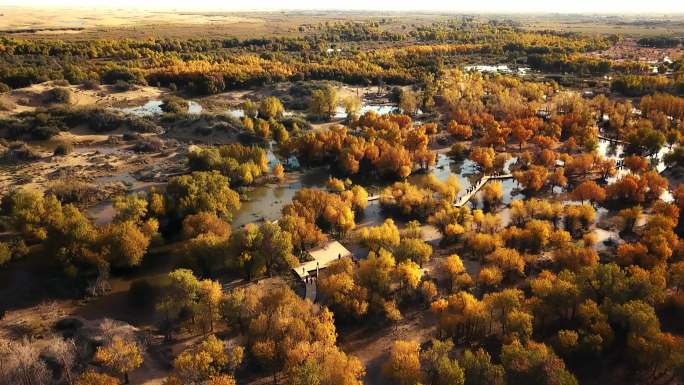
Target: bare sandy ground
{"points": [[18, 18], [232, 99], [30, 98], [373, 347]]}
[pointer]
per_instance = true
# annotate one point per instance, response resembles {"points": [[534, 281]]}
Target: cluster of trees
{"points": [[213, 65], [646, 130], [521, 363], [374, 289], [67, 235], [497, 111], [320, 210], [87, 251], [285, 335], [241, 164], [660, 42], [264, 120], [636, 189], [669, 105], [389, 146], [536, 226], [639, 85], [211, 362], [252, 251], [200, 191], [584, 310], [584, 65], [417, 202], [266, 249], [590, 311], [59, 360]]}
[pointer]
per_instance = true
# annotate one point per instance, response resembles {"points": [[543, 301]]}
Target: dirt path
{"points": [[373, 346]]}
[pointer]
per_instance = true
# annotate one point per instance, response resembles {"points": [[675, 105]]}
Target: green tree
{"points": [[534, 363], [324, 102], [440, 368], [260, 249], [479, 369], [413, 249], [179, 296], [130, 207], [202, 192], [271, 108], [126, 243]]}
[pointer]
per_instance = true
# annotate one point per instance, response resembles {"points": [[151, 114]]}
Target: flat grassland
{"points": [[78, 23], [84, 23]]}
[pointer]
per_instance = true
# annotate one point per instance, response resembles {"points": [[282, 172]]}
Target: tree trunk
{"points": [[211, 319]]}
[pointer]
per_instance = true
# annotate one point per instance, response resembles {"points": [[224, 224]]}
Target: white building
{"points": [[321, 258]]}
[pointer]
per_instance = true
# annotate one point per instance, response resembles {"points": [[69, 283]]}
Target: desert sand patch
{"points": [[21, 18]]}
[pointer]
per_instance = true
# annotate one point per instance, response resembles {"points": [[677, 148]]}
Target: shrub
{"points": [[458, 152], [139, 124], [131, 136], [18, 152], [63, 148], [101, 120], [152, 144], [122, 75], [91, 84], [174, 104], [59, 95], [20, 250], [74, 191], [123, 86]]}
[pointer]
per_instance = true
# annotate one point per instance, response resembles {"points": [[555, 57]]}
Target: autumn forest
{"points": [[342, 199]]}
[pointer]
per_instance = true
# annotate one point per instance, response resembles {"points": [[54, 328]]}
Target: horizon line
{"points": [[200, 9]]}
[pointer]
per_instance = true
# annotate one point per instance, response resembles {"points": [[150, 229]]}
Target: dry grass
{"points": [[93, 23], [7, 104]]}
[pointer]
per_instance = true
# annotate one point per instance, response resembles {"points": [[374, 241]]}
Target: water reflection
{"points": [[504, 69], [616, 152], [381, 109], [153, 107], [266, 202]]}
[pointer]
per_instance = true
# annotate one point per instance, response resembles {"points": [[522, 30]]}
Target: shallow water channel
{"points": [[153, 107], [265, 202]]}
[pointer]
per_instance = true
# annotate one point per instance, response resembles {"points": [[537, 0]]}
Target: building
{"points": [[321, 258]]}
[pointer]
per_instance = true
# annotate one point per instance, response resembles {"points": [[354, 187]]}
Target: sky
{"points": [[661, 7]]}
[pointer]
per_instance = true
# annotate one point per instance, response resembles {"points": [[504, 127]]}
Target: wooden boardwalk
{"points": [[480, 183], [614, 140], [468, 196]]}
